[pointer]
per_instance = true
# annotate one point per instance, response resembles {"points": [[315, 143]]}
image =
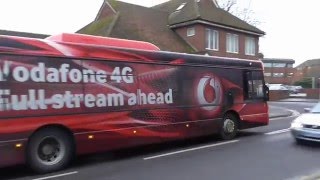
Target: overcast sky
{"points": [[291, 26]]}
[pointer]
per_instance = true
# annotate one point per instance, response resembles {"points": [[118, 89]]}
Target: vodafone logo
{"points": [[209, 91]]}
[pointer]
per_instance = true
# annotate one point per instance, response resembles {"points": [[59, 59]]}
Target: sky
{"points": [[291, 26]]}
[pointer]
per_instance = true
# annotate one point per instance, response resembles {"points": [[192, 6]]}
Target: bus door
{"points": [[255, 96]]}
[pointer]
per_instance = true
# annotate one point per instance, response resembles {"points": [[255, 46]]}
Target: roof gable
{"points": [[105, 10], [101, 26]]}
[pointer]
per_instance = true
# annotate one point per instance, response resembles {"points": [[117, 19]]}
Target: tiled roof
{"points": [[138, 23], [157, 24], [100, 27], [276, 60], [311, 62], [203, 10]]}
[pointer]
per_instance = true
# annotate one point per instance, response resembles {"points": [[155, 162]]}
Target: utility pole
{"points": [[313, 82]]}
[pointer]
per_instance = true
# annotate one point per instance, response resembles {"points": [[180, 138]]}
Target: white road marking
{"points": [[278, 131], [294, 112], [191, 149], [58, 175]]}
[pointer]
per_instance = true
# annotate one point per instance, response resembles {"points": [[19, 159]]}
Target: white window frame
{"points": [[232, 44], [212, 39], [191, 31], [250, 46]]}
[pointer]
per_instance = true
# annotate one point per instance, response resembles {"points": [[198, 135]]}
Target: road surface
{"points": [[264, 153]]}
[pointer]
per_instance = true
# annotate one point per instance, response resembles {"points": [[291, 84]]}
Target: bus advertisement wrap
{"points": [[35, 99], [46, 86]]}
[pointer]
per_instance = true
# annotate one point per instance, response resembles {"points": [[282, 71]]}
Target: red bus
{"points": [[75, 94]]}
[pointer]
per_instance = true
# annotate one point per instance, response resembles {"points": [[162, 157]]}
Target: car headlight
{"points": [[296, 125]]}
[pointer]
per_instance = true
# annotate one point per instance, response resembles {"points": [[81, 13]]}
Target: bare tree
{"points": [[227, 5], [244, 14]]}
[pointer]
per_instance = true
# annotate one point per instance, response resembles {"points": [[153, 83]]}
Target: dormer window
{"points": [[212, 39], [181, 6], [250, 46], [232, 43]]}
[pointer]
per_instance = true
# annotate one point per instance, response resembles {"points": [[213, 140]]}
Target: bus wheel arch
{"points": [[230, 125], [50, 148]]}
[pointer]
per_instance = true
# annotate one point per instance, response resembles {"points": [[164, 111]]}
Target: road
{"points": [[261, 153]]}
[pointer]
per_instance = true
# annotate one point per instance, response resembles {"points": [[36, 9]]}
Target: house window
{"points": [[267, 65], [278, 74], [191, 31], [267, 74], [250, 46], [232, 43], [289, 65], [212, 39], [279, 65], [289, 74]]}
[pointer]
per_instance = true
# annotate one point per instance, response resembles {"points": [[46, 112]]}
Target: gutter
{"points": [[214, 24]]}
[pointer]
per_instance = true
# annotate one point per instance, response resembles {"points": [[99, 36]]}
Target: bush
{"points": [[305, 83]]}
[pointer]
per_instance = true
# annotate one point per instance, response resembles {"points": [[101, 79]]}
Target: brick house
{"points": [[309, 69], [278, 71], [187, 26]]}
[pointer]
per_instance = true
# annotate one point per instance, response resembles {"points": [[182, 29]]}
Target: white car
{"points": [[306, 127], [277, 87]]}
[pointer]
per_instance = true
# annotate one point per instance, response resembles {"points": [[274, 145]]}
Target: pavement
{"points": [[276, 111], [314, 176], [300, 100]]}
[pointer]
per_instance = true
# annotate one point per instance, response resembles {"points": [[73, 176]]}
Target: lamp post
{"points": [[313, 82]]}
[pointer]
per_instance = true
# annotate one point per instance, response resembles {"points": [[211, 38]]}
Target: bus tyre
{"points": [[49, 150], [229, 127]]}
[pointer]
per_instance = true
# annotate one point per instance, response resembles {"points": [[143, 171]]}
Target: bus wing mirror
{"points": [[266, 93], [307, 110]]}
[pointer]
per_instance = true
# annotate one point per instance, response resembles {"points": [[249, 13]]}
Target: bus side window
{"points": [[254, 86]]}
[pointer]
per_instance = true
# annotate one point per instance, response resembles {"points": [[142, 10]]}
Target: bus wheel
{"points": [[49, 150], [229, 127]]}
